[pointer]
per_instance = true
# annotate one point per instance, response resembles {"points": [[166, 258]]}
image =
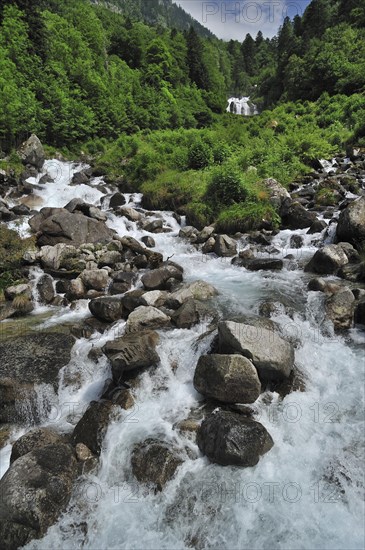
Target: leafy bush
{"points": [[225, 187], [247, 217], [200, 155]]}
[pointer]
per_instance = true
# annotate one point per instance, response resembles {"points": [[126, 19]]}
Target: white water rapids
{"points": [[306, 493]]}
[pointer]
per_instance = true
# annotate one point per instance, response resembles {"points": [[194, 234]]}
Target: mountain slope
{"points": [[164, 13]]}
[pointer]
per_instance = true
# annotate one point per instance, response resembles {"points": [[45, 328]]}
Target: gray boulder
{"points": [[32, 152], [27, 361], [340, 309], [146, 317], [327, 260], [225, 246], [106, 309], [92, 427], [62, 226], [132, 351], [198, 290], [227, 378], [351, 223], [35, 439], [272, 356], [97, 279], [155, 462], [45, 289], [157, 278], [34, 491], [191, 313], [228, 438]]}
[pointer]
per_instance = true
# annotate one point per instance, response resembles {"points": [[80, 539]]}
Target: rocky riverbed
{"points": [[156, 377]]}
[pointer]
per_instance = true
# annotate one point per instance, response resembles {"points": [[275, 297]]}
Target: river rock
{"points": [[132, 351], [340, 309], [225, 246], [80, 178], [132, 215], [351, 223], [228, 438], [157, 278], [191, 313], [278, 195], [208, 246], [35, 490], [227, 378], [117, 200], [155, 298], [27, 361], [133, 299], [317, 227], [92, 427], [327, 260], [52, 256], [295, 216], [148, 241], [204, 234], [97, 279], [258, 264], [32, 152], [198, 290], [75, 289], [75, 229], [155, 461], [146, 317], [45, 289], [17, 290], [154, 226], [272, 356], [106, 309], [35, 439]]}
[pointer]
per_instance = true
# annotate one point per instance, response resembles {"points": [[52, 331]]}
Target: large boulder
{"points": [[225, 246], [327, 260], [45, 289], [132, 351], [96, 279], [76, 229], [295, 216], [227, 378], [340, 309], [198, 290], [34, 491], [157, 278], [52, 257], [146, 317], [278, 195], [35, 439], [351, 223], [155, 462], [191, 313], [32, 152], [229, 438], [106, 309], [26, 362], [92, 427], [272, 356]]}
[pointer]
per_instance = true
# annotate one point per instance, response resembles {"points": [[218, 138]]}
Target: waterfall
{"points": [[241, 106]]}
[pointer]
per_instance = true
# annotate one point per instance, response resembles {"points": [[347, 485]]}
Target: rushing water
{"points": [[306, 493], [241, 106]]}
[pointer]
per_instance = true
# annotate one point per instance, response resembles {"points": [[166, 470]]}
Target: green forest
{"points": [[142, 90]]}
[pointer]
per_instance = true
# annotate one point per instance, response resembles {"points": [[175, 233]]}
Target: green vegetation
{"points": [[147, 101], [226, 187]]}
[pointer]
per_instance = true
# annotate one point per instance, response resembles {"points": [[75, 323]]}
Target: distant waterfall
{"points": [[241, 106]]}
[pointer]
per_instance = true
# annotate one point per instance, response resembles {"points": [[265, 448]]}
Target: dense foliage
{"points": [[148, 101]]}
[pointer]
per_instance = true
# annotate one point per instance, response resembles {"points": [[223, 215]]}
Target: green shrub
{"points": [[245, 217], [225, 187], [200, 155], [198, 214]]}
